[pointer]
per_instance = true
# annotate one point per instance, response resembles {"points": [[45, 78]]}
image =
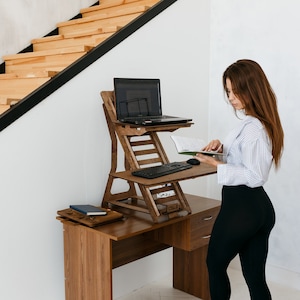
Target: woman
{"points": [[247, 216]]}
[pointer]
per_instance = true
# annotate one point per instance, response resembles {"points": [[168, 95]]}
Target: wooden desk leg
{"points": [[190, 272], [88, 264]]}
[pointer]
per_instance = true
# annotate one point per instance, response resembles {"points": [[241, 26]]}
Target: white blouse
{"points": [[248, 155]]}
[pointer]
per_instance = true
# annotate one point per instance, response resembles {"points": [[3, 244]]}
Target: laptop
{"points": [[138, 101]]}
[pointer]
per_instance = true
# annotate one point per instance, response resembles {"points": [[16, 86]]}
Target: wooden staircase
{"points": [[25, 72]]}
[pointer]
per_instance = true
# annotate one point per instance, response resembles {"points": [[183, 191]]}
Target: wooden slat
{"points": [[4, 108], [30, 74], [12, 101], [93, 40], [90, 19], [145, 152], [25, 84], [117, 6], [149, 161], [3, 100], [91, 22], [67, 50], [48, 39], [18, 88], [44, 62], [126, 205], [106, 4], [120, 12], [40, 73], [37, 61], [7, 76], [92, 31]]}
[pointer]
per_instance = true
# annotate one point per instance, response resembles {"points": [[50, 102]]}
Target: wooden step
{"points": [[3, 100], [92, 31], [50, 38], [67, 50], [30, 74], [118, 11], [12, 101], [91, 38], [106, 4], [95, 22], [36, 61], [8, 76], [18, 88], [4, 108], [136, 9], [115, 5], [92, 41]]}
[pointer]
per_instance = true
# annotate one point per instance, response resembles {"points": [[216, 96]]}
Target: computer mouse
{"points": [[193, 161]]}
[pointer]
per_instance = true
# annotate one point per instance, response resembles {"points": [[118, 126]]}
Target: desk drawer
{"points": [[190, 234], [200, 227]]}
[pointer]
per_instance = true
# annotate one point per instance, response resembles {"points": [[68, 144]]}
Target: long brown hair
{"points": [[251, 86]]}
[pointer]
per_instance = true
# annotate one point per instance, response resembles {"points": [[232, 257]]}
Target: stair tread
{"points": [[8, 76], [119, 12], [21, 83], [107, 4], [98, 31], [15, 89], [55, 37], [4, 108], [73, 49], [30, 74], [112, 5], [83, 33], [116, 21], [139, 9]]}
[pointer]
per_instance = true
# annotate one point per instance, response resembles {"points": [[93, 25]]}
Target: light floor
{"points": [[162, 290]]}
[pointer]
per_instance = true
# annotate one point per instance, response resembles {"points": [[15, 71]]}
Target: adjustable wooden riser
{"points": [[142, 148]]}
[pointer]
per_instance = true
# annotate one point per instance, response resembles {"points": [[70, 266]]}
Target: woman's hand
{"points": [[207, 159], [214, 145]]}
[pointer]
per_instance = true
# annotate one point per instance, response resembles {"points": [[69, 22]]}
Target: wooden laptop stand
{"points": [[162, 197]]}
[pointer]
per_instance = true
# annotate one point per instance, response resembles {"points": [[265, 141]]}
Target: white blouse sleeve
{"points": [[250, 160]]}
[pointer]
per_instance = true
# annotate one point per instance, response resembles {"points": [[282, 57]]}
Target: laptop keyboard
{"points": [[162, 170]]}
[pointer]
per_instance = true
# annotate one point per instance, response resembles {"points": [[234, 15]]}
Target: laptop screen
{"points": [[137, 97]]}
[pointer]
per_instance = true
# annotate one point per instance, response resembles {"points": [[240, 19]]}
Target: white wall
{"points": [[59, 152], [265, 31], [23, 20]]}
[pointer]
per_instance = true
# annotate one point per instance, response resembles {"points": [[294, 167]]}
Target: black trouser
{"points": [[242, 227]]}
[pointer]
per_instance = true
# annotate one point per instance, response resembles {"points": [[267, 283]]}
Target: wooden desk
{"points": [[90, 254]]}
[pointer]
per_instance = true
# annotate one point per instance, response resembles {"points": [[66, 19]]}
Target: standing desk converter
{"points": [[158, 215]]}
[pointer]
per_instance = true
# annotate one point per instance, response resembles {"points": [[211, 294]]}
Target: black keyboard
{"points": [[162, 170]]}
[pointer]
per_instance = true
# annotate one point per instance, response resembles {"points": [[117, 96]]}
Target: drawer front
{"points": [[204, 219], [189, 234], [200, 228]]}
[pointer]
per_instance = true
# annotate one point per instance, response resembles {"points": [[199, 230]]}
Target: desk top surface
{"points": [[135, 223]]}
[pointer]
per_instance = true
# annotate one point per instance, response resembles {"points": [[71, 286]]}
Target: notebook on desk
{"points": [[138, 101]]}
